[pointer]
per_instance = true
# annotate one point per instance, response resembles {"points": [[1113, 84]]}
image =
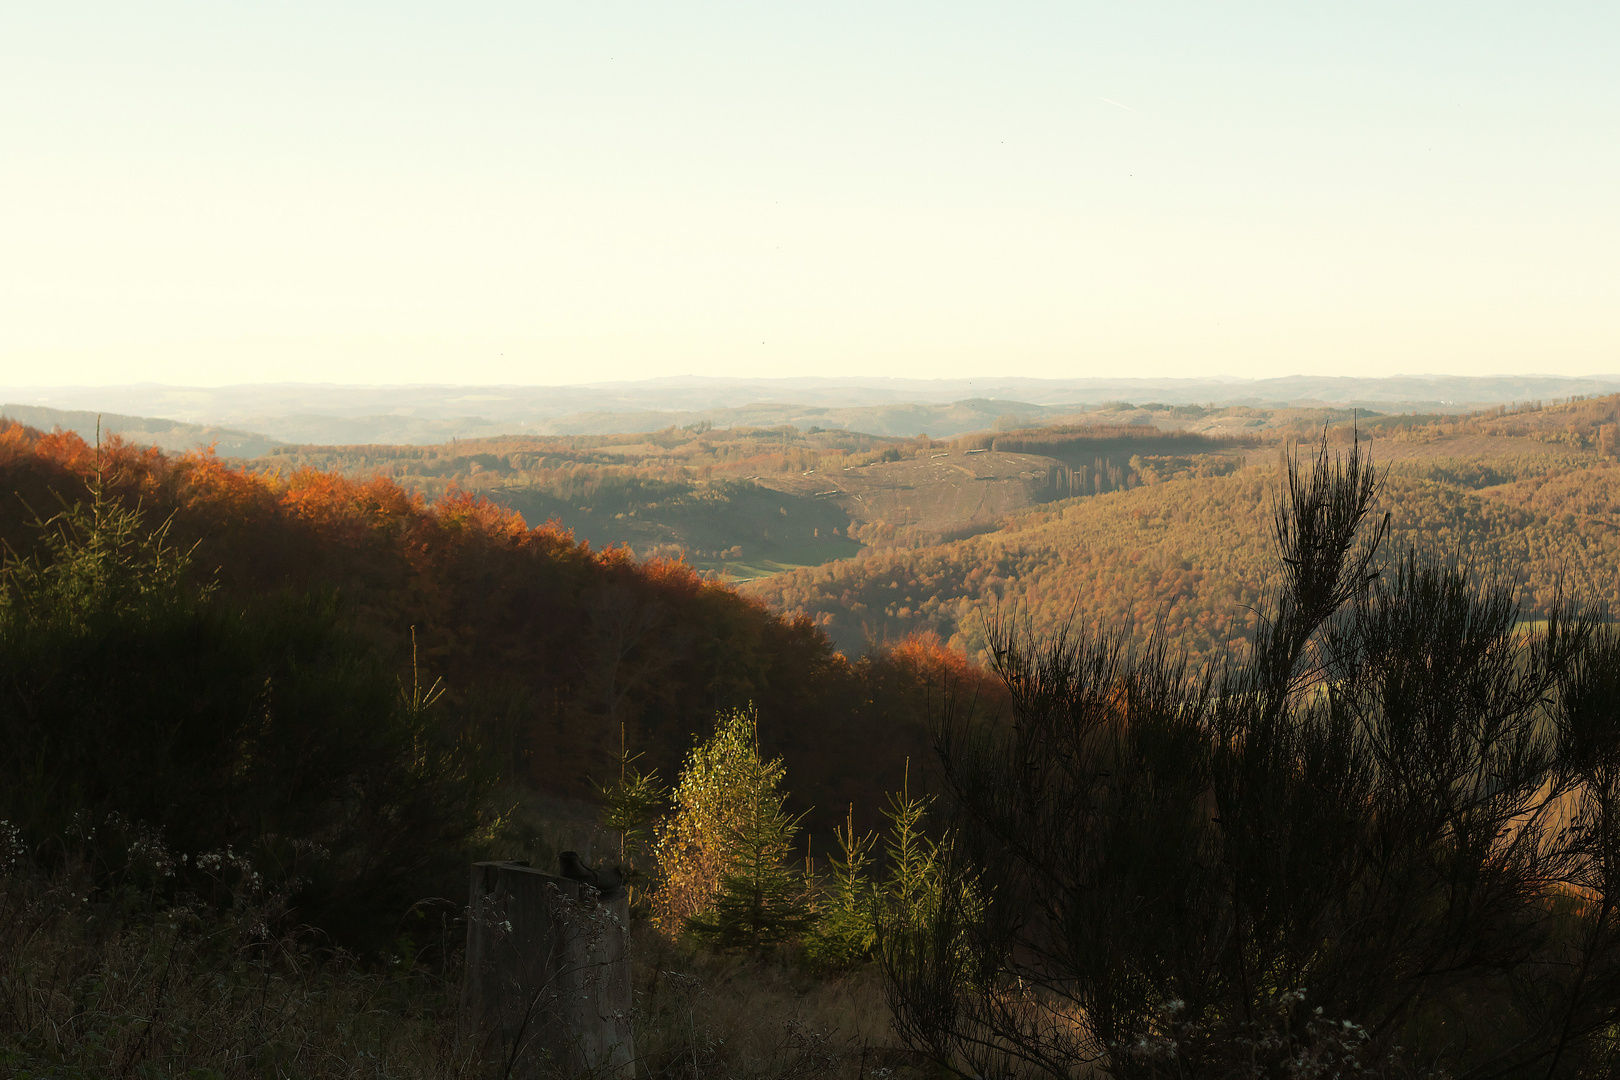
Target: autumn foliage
{"points": [[550, 645]]}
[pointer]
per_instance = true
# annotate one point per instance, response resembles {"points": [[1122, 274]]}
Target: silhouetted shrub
{"points": [[1398, 809]]}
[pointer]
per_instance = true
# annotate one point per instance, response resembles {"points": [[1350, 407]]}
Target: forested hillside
{"points": [[1538, 490], [744, 502], [550, 648], [692, 492]]}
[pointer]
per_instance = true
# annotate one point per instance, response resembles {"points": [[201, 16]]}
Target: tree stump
{"points": [[547, 988]]}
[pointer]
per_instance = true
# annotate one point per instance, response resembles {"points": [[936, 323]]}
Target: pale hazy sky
{"points": [[537, 192]]}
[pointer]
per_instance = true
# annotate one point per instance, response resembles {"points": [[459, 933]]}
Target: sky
{"points": [[543, 193]]}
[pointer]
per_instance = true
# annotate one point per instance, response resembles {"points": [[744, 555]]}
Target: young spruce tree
{"points": [[845, 931], [630, 807]]}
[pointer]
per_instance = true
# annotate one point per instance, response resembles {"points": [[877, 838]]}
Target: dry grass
{"points": [[93, 988], [90, 990], [702, 1015]]}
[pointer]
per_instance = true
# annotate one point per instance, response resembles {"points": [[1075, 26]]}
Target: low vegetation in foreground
{"points": [[100, 987]]}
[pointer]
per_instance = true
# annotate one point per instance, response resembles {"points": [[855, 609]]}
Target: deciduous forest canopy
{"points": [[561, 649]]}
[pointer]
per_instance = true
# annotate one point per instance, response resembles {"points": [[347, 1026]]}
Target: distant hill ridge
{"points": [[173, 436], [331, 414]]}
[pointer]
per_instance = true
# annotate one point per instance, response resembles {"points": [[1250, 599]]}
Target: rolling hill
{"points": [[315, 413], [746, 502], [171, 435], [1538, 489]]}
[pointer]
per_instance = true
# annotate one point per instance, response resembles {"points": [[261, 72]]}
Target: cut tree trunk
{"points": [[547, 988]]}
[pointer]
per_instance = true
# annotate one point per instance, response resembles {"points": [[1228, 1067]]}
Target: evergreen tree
{"points": [[630, 806], [845, 931], [912, 889], [760, 902], [96, 560]]}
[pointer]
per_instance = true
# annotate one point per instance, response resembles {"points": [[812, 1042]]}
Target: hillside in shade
{"points": [[564, 649]]}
